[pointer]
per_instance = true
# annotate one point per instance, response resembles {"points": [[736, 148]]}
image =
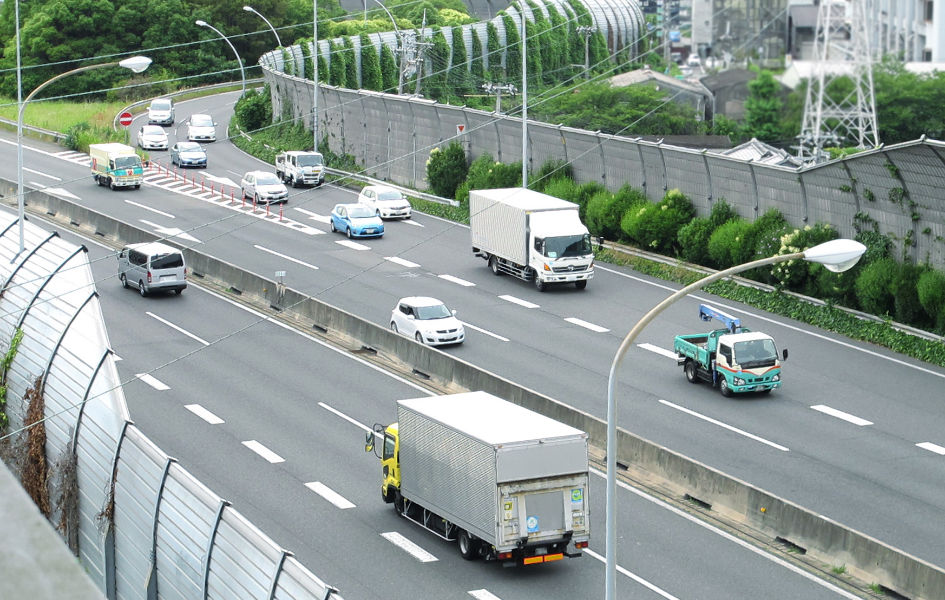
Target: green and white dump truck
{"points": [[735, 358], [116, 165]]}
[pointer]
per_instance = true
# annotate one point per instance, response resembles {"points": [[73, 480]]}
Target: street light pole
{"points": [[835, 255], [202, 23], [276, 33], [135, 63], [315, 77]]}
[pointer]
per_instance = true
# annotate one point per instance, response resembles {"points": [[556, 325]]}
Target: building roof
{"points": [[646, 75], [760, 152]]}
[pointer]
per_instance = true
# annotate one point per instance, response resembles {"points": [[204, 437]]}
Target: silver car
{"points": [[161, 112], [201, 128], [152, 137], [263, 187]]}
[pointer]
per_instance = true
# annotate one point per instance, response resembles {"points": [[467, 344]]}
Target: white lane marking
{"points": [[483, 595], [412, 222], [760, 317], [725, 426], [833, 412], [480, 330], [658, 350], [62, 193], [586, 325], [153, 382], [408, 546], [353, 245], [43, 174], [329, 494], [402, 262], [264, 452], [204, 414], [346, 417], [154, 210], [519, 301], [283, 256], [932, 447], [184, 331], [457, 280], [724, 534], [218, 179], [633, 576], [314, 216], [171, 231]]}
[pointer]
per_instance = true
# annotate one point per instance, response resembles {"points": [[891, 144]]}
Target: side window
{"points": [[388, 447], [405, 309], [123, 253], [726, 351], [539, 242]]}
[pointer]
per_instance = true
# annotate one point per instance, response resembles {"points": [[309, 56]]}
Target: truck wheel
{"points": [[723, 387], [494, 265], [468, 545], [141, 289], [580, 284], [539, 284], [690, 370], [111, 184], [124, 282]]}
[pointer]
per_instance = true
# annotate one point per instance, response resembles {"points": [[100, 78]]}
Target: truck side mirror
{"points": [[369, 441], [784, 354]]}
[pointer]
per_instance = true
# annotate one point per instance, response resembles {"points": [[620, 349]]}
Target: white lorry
{"points": [[297, 167], [116, 165], [508, 484], [531, 235]]}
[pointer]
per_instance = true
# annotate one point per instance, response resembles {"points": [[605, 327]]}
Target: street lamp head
{"points": [[136, 63], [202, 23], [248, 8], [836, 255]]}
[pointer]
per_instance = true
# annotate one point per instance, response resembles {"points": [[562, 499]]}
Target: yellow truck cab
{"points": [[390, 463]]}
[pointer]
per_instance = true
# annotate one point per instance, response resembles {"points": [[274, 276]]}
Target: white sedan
{"points": [[386, 202], [152, 137], [427, 320], [201, 128]]}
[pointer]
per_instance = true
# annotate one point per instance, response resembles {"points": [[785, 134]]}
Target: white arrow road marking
{"points": [[408, 546], [283, 256], [412, 222], [223, 180], [329, 494], [158, 385], [62, 193], [483, 595], [480, 330], [402, 262], [519, 301], [171, 231], [932, 447], [353, 245], [658, 350], [457, 280], [586, 325], [833, 412], [180, 329], [264, 452], [725, 426], [154, 210], [204, 414], [314, 216]]}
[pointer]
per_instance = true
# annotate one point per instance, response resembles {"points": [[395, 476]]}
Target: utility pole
{"points": [[422, 47], [588, 32], [498, 89], [666, 26], [315, 75]]}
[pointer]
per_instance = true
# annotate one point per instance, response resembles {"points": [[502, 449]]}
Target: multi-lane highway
{"points": [[855, 434]]}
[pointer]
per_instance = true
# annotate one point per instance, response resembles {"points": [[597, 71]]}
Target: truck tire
{"points": [[539, 284], [468, 545], [690, 370], [494, 265], [124, 282], [723, 387], [111, 184], [580, 284]]}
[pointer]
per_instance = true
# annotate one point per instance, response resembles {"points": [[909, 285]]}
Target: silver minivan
{"points": [[152, 267]]}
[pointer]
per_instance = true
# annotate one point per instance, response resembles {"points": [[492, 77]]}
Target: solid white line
{"points": [[345, 417], [401, 261], [932, 447], [283, 256], [43, 174], [833, 412], [457, 280], [480, 330], [633, 576], [408, 546], [154, 210], [314, 216], [329, 494], [658, 350], [204, 414], [353, 245], [724, 534], [586, 325], [412, 222], [153, 382], [482, 595], [519, 301], [724, 425], [264, 452], [184, 331]]}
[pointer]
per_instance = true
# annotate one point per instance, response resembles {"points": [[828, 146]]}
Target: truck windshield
{"points": [[309, 160], [125, 162], [568, 245], [756, 353]]}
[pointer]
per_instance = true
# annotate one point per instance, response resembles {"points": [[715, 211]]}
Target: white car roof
{"points": [[420, 301]]}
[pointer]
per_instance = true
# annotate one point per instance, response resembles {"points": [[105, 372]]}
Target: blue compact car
{"points": [[356, 220]]}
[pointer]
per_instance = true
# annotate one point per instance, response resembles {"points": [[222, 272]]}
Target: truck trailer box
{"points": [[510, 476], [115, 165], [499, 219]]}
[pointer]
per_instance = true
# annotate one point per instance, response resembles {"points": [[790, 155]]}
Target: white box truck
{"points": [[116, 165], [508, 484], [297, 167], [531, 235]]}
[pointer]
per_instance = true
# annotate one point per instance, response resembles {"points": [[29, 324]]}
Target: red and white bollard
{"points": [[268, 204], [281, 206]]}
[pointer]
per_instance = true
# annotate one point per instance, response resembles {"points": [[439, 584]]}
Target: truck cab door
{"points": [[390, 461]]}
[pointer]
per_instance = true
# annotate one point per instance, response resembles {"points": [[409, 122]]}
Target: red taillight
{"points": [[505, 555], [580, 544], [149, 276]]}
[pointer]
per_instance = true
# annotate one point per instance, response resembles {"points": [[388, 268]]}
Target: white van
{"points": [[152, 267]]}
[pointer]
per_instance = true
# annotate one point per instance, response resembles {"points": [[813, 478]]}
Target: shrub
{"points": [[931, 290], [800, 275], [551, 170], [585, 193], [763, 237], [371, 76], [656, 226], [904, 289], [565, 189], [605, 211], [693, 239], [872, 286], [721, 214], [484, 173], [726, 241], [254, 111], [446, 169]]}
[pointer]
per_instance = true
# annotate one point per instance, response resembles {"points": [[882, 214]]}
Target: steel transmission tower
{"points": [[841, 49]]}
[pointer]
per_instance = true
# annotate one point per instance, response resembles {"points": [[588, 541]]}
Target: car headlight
{"points": [[776, 377], [739, 381]]}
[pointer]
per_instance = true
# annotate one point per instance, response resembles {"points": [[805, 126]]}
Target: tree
{"points": [[390, 75], [513, 51], [435, 82], [763, 108], [351, 65], [476, 68], [494, 53], [337, 66], [370, 65], [458, 76]]}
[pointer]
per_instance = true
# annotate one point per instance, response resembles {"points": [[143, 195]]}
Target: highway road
{"points": [[856, 433]]}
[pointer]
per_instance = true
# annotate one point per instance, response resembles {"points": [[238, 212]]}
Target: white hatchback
{"points": [[201, 128], [152, 137], [263, 187], [427, 320], [386, 202]]}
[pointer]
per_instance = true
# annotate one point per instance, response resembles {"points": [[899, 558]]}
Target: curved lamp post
{"points": [[835, 255], [276, 33], [202, 23], [136, 63]]}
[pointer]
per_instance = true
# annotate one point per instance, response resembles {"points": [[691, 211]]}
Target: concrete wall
{"points": [[864, 556]]}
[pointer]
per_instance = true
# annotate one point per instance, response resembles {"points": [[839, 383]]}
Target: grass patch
{"points": [[59, 115], [839, 570]]}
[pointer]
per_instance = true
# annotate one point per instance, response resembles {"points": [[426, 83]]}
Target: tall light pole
{"points": [[276, 33], [402, 49], [227, 40], [136, 63], [835, 255], [315, 77], [524, 104]]}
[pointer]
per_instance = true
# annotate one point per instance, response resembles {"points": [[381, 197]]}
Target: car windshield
{"points": [[201, 121], [161, 105], [153, 130], [389, 195], [167, 261], [267, 179], [190, 147], [439, 311], [567, 245], [123, 162], [755, 353], [360, 212], [310, 160]]}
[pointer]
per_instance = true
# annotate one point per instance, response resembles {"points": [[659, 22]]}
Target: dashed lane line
{"points": [[725, 426], [833, 412]]}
